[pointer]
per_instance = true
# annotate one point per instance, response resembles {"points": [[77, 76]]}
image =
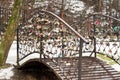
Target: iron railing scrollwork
{"points": [[104, 33], [43, 34]]}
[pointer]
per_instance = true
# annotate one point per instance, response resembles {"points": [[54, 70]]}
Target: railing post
{"points": [[62, 44], [18, 47], [80, 60], [41, 43], [94, 39]]}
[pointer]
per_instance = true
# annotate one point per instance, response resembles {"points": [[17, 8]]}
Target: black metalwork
{"points": [[43, 35], [43, 30], [105, 35], [94, 39], [18, 48], [40, 33], [80, 60]]}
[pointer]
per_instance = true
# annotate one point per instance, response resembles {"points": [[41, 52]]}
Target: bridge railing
{"points": [[53, 40], [104, 32]]}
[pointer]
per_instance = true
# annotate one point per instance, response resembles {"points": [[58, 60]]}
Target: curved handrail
{"points": [[114, 50], [105, 16], [72, 29]]}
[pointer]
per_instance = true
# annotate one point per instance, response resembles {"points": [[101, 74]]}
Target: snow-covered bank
{"points": [[12, 56], [6, 73], [116, 67]]}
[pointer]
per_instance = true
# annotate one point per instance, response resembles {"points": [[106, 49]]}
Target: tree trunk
{"points": [[10, 32]]}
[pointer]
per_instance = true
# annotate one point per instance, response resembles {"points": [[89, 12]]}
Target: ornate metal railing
{"points": [[104, 32], [48, 35], [52, 40]]}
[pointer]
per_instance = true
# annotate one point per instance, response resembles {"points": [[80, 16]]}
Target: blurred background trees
{"points": [[12, 23]]}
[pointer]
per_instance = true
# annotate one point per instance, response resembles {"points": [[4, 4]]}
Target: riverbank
{"points": [[109, 61]]}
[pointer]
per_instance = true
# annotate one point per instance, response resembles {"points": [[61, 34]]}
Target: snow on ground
{"points": [[6, 73], [116, 67], [76, 6], [90, 10], [12, 57]]}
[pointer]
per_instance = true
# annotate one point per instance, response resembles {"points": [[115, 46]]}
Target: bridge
{"points": [[70, 54], [60, 48]]}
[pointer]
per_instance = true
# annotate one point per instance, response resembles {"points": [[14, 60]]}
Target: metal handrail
{"points": [[67, 25], [111, 18], [82, 39], [105, 16]]}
